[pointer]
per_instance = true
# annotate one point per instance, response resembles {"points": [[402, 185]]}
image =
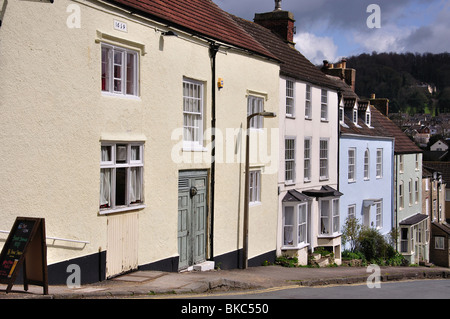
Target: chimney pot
{"points": [[277, 4]]}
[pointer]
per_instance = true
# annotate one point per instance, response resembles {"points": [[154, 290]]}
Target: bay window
{"points": [[295, 221], [329, 216]]}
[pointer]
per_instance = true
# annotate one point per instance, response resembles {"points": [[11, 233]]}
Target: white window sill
{"points": [[301, 246], [123, 96], [121, 209], [194, 148], [253, 204], [334, 235]]}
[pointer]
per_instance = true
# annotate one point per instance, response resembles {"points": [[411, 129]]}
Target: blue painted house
{"points": [[366, 157]]}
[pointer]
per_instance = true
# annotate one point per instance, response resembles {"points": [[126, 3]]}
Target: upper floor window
{"points": [[341, 114], [323, 159], [192, 113], [308, 102], [368, 117], [307, 159], [119, 70], [379, 164], [400, 163], [401, 200], [324, 105], [355, 116], [351, 164], [290, 103], [289, 159], [255, 105], [366, 165]]}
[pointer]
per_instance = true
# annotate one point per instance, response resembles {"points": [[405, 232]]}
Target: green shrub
{"points": [[286, 261]]}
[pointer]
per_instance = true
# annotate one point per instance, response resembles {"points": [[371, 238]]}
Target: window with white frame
{"points": [[341, 114], [416, 190], [120, 70], [290, 102], [368, 119], [351, 211], [323, 159], [255, 105], [329, 216], [417, 162], [308, 102], [410, 190], [366, 165], [379, 214], [351, 164], [379, 163], [192, 113], [400, 159], [295, 224], [355, 115], [307, 159], [255, 186], [324, 105], [289, 160], [121, 175], [401, 190], [439, 242]]}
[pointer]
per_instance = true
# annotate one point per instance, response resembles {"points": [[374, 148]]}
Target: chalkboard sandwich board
{"points": [[26, 247]]}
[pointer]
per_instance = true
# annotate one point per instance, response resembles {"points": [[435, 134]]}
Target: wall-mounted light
{"points": [[169, 33]]}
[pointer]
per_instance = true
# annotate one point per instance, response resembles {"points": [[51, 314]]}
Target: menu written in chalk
{"points": [[25, 247], [16, 248]]}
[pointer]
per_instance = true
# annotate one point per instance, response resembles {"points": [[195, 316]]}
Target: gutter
{"points": [[213, 49]]}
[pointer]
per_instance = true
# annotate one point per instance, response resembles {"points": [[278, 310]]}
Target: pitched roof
{"points": [[201, 17], [382, 125], [441, 167], [293, 63]]}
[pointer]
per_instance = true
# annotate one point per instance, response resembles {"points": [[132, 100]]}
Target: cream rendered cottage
{"points": [[109, 110]]}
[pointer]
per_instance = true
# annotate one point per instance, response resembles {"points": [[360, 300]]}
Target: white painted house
{"points": [[308, 121]]}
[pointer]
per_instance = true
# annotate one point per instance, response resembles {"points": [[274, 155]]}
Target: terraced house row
{"points": [[144, 132]]}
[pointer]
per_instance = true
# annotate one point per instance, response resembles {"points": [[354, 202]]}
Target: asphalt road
{"points": [[418, 289]]}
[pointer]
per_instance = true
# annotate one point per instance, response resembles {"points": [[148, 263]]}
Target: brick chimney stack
{"points": [[340, 70], [278, 21]]}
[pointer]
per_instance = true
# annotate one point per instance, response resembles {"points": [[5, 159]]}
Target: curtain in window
{"points": [[302, 223], [135, 185], [105, 187], [324, 217], [288, 225]]}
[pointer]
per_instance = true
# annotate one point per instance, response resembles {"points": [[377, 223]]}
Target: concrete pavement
{"points": [[144, 283]]}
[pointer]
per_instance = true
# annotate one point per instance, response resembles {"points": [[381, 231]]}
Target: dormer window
{"points": [[355, 116], [341, 114], [368, 117]]}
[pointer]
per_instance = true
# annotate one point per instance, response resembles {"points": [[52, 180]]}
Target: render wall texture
{"points": [[54, 118]]}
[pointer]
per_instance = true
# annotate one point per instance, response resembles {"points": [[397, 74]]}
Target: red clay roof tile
{"points": [[202, 17]]}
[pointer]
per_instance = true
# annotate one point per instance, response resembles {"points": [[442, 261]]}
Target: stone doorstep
{"points": [[204, 266]]}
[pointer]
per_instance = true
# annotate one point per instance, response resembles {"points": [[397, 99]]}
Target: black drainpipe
{"points": [[213, 49]]}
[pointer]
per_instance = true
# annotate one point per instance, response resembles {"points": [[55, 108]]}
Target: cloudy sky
{"points": [[332, 29]]}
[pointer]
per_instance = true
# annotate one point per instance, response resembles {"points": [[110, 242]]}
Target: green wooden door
{"points": [[192, 208]]}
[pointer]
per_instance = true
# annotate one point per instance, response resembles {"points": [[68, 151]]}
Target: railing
{"points": [[57, 238]]}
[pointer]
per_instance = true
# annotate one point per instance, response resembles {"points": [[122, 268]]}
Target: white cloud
{"points": [[386, 39], [314, 48]]}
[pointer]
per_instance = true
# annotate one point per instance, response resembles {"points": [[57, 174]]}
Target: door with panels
{"points": [[192, 210]]}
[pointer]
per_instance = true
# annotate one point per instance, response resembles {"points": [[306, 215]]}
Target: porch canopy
{"points": [[413, 220], [325, 191], [295, 196]]}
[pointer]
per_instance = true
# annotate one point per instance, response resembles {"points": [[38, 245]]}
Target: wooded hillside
{"points": [[405, 79]]}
